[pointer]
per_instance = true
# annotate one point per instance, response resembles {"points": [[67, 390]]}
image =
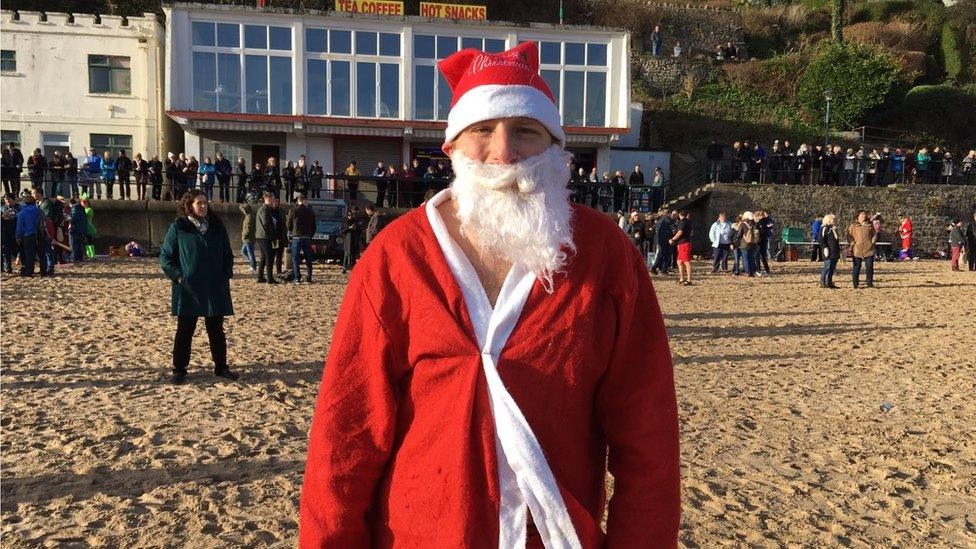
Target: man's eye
{"points": [[529, 130]]}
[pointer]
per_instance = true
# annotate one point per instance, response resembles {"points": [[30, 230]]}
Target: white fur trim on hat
{"points": [[503, 101]]}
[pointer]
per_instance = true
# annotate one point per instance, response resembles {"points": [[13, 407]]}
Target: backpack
{"points": [[751, 235]]}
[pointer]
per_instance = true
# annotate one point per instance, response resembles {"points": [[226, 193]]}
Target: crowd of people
{"points": [[42, 231], [749, 162]]}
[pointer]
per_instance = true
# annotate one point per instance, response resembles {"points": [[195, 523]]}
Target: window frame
{"points": [[13, 55], [111, 69], [584, 68]]}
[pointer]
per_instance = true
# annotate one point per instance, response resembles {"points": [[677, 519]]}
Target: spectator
{"points": [[970, 242], [172, 170], [258, 179], [636, 229], [140, 168], [737, 262], [605, 192], [265, 233], [71, 174], [108, 175], [719, 52], [288, 174], [663, 232], [897, 166], [155, 177], [92, 231], [77, 230], [352, 182], [947, 168], [957, 241], [190, 173], [922, 164], [243, 187], [969, 167], [862, 239], [197, 258], [656, 41], [731, 52], [636, 177], [36, 167], [30, 235], [714, 154], [351, 229], [720, 235], [883, 167], [8, 230], [801, 165], [619, 190], [53, 211], [763, 250], [280, 236], [738, 165], [247, 235], [123, 166], [657, 189], [878, 223], [682, 242], [375, 222], [224, 171], [207, 172], [301, 176], [381, 183], [272, 177], [315, 176], [815, 234], [677, 49], [15, 166], [748, 238], [301, 227], [828, 242], [56, 167]]}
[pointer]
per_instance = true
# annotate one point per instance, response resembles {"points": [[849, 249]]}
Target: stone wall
{"points": [[930, 206], [665, 75], [699, 28]]}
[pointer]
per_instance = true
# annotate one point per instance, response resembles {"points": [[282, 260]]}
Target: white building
{"points": [[338, 87], [81, 81]]}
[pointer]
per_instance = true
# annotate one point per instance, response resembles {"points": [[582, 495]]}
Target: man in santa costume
{"points": [[497, 351]]}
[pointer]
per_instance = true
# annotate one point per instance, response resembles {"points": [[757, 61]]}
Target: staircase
{"points": [[687, 199], [687, 175]]}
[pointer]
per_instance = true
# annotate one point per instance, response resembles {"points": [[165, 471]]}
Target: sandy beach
{"points": [[780, 386]]}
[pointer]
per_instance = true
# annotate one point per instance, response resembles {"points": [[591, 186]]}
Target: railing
{"points": [[864, 173]]}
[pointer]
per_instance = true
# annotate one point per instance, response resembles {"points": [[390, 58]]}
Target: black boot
{"points": [[178, 377], [226, 373]]}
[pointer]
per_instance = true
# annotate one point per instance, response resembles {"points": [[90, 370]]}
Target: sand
{"points": [[780, 386]]}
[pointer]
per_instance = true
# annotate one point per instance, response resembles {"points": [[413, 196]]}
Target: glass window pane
{"points": [[596, 98], [119, 62], [280, 85], [443, 97], [280, 38], [256, 84], [574, 53], [365, 43], [98, 79], [475, 43], [204, 81], [228, 82], [256, 36], [446, 45], [494, 45], [389, 90], [339, 89], [228, 35], [340, 41], [315, 40], [121, 81], [315, 98], [596, 55], [573, 98], [203, 34], [423, 92], [365, 89], [552, 80], [389, 44], [423, 46], [549, 52]]}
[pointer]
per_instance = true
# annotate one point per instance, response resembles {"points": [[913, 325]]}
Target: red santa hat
{"points": [[498, 85]]}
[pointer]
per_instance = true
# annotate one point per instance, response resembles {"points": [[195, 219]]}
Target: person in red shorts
{"points": [[682, 241]]}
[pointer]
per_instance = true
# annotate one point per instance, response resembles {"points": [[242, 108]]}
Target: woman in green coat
{"points": [[197, 258]]}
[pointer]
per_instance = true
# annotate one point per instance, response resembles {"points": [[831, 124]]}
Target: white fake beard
{"points": [[519, 211]]}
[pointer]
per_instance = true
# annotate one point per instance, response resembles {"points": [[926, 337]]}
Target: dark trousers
{"points": [[7, 251], [157, 189], [657, 198], [827, 272], [28, 255], [301, 248], [971, 255], [762, 257], [869, 268], [817, 253], [77, 248], [266, 259], [279, 257], [721, 256], [381, 187], [662, 262], [749, 261], [185, 326], [124, 185], [224, 182]]}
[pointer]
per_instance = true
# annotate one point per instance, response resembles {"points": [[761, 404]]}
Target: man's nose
{"points": [[502, 147]]}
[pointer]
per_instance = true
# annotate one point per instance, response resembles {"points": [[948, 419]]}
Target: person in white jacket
{"points": [[721, 236]]}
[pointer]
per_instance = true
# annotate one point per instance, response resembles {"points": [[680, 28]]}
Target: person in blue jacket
{"points": [[817, 254], [29, 230], [107, 166], [207, 173]]}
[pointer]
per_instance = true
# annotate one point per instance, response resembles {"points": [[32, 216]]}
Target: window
{"points": [[316, 97], [366, 89], [256, 84], [575, 53], [109, 74], [256, 36], [389, 90], [340, 41], [51, 142], [443, 97], [110, 142], [596, 55], [423, 92], [549, 53], [280, 85], [494, 45], [552, 80], [280, 38], [228, 35], [339, 89], [10, 136], [204, 81], [316, 40], [573, 98], [576, 73], [228, 82], [446, 45], [596, 98], [8, 61], [423, 46], [365, 43], [389, 44], [476, 43], [203, 34]]}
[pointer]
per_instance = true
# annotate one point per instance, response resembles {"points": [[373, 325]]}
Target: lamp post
{"points": [[828, 95]]}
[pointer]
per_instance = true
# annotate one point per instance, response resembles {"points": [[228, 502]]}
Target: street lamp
{"points": [[828, 95]]}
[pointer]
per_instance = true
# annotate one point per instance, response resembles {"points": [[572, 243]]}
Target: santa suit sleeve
{"points": [[352, 430], [637, 410]]}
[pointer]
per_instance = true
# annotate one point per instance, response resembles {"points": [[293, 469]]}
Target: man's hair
{"points": [[186, 201], [302, 198], [859, 212], [370, 206], [266, 194]]}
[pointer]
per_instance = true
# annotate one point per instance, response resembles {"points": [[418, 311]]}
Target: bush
{"points": [[952, 54], [945, 111], [861, 77], [898, 35], [880, 11], [774, 77], [732, 103]]}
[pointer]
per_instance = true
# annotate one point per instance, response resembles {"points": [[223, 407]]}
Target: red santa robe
{"points": [[905, 231], [444, 422]]}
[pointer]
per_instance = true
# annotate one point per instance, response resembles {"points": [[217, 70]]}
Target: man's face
{"points": [[862, 217], [501, 141], [721, 218]]}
